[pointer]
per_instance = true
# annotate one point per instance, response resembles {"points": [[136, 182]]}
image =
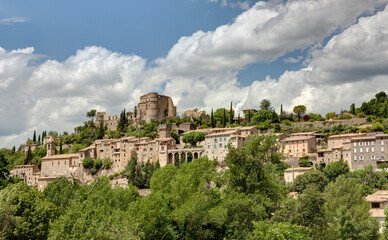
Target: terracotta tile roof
{"points": [[61, 156]]}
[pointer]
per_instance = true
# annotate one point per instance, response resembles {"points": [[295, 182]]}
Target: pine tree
{"points": [[231, 114], [34, 137], [39, 139]]}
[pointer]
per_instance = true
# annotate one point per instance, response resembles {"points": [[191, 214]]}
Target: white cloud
{"points": [[240, 4], [13, 20], [201, 70], [293, 60]]}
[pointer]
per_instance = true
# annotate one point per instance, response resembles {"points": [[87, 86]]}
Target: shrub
{"points": [[107, 163], [97, 163], [93, 171], [88, 162]]}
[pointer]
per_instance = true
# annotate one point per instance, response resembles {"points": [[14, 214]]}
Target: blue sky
{"points": [[57, 29], [59, 59]]}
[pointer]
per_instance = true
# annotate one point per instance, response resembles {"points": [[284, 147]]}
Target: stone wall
{"points": [[355, 121]]}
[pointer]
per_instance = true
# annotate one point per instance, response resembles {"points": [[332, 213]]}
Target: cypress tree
{"points": [[281, 110], [135, 111], [212, 119], [13, 149], [224, 118], [239, 118], [39, 139], [34, 137], [353, 109], [231, 114], [29, 156], [249, 116], [60, 146]]}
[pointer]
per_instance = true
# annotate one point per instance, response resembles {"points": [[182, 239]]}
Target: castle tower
{"points": [[155, 106], [50, 146]]}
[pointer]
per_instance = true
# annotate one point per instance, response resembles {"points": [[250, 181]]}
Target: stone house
{"points": [[299, 146], [26, 173], [378, 202], [291, 173]]}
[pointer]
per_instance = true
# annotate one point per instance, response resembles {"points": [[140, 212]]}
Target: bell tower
{"points": [[50, 146]]}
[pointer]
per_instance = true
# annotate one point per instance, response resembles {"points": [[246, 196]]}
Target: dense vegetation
{"points": [[194, 201]]}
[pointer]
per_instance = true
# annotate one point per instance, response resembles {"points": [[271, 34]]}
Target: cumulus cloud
{"points": [[201, 70], [12, 20]]}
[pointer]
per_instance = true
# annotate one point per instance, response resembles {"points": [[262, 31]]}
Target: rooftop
{"points": [[62, 156], [378, 197]]}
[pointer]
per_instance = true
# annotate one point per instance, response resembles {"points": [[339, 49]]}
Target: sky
{"points": [[59, 59]]}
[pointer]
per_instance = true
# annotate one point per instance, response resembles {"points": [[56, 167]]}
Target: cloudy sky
{"points": [[59, 59]]}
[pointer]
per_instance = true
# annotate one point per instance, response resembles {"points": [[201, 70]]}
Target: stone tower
{"points": [[50, 146], [155, 106]]}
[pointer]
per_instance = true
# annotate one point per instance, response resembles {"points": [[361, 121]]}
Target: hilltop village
{"points": [[302, 148], [316, 149]]}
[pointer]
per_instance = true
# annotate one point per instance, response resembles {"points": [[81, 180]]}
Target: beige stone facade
{"points": [[291, 173], [26, 173], [368, 150], [378, 201], [155, 106], [299, 146], [111, 121]]}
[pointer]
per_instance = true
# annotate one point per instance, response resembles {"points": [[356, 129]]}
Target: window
{"points": [[355, 144], [382, 143], [355, 150], [372, 149], [366, 149], [360, 150], [361, 157], [375, 205], [355, 158], [373, 157], [382, 149], [382, 157], [336, 156], [360, 143], [372, 143]]}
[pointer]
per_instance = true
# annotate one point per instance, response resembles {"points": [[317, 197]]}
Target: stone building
{"points": [[368, 150], [111, 121], [155, 106], [299, 146], [291, 173], [26, 173], [378, 201]]}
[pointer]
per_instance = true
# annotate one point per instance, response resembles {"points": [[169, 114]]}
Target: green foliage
{"points": [[305, 162], [330, 115], [314, 178], [193, 138], [107, 163], [299, 110], [77, 147], [265, 104], [3, 171], [335, 169], [25, 214], [348, 212], [175, 135], [97, 163], [88, 162], [246, 165], [279, 231], [98, 215]]}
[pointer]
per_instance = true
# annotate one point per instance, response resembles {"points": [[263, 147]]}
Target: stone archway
{"points": [[177, 161], [170, 158], [189, 157], [195, 155]]}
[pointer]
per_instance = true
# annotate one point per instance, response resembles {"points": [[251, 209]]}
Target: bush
{"points": [[88, 162], [107, 163], [93, 171], [97, 163]]}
